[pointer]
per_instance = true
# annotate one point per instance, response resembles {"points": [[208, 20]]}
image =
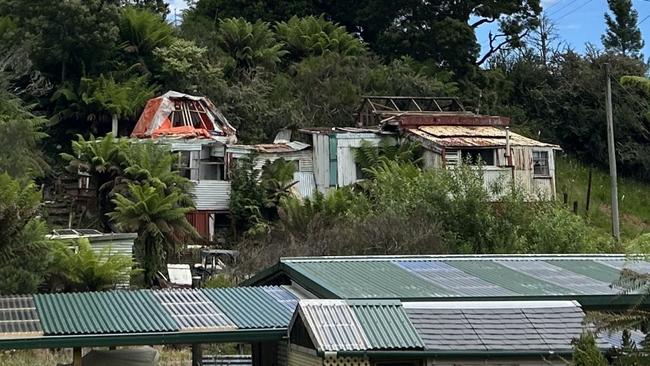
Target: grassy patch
{"points": [[634, 196]]}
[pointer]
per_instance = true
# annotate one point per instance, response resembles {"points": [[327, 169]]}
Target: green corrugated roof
{"points": [[589, 268], [102, 313], [360, 279], [251, 307], [508, 278], [386, 325]]}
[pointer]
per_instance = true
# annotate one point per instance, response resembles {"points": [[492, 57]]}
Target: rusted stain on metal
{"points": [[458, 119], [473, 136], [287, 147]]}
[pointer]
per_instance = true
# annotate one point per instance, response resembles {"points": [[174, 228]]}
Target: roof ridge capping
{"points": [[370, 258], [491, 304]]}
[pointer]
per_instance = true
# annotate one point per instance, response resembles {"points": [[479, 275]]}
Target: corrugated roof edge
{"points": [[278, 268]]}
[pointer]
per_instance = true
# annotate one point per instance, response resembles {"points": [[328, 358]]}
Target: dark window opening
{"points": [[478, 156], [540, 164]]}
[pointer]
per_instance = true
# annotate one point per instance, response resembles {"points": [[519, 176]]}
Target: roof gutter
{"points": [[441, 354]]}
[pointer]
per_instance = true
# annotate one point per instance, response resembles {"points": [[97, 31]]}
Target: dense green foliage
{"points": [[81, 269], [586, 352], [396, 211], [24, 254], [159, 219], [623, 34]]}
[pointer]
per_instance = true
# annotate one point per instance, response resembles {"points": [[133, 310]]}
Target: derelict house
{"points": [[198, 133], [451, 135]]}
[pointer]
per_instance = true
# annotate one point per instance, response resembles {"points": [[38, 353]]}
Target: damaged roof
{"points": [[283, 147], [471, 136], [175, 114]]}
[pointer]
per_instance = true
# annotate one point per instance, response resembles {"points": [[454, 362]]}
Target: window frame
{"points": [[546, 168]]}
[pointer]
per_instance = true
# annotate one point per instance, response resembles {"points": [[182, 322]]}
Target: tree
{"points": [[20, 137], [586, 352], [68, 38], [84, 270], [312, 36], [623, 35], [159, 219], [141, 33], [24, 251], [249, 44]]}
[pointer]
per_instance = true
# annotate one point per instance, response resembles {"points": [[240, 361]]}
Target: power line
{"points": [[563, 7], [573, 11], [557, 2], [643, 20]]}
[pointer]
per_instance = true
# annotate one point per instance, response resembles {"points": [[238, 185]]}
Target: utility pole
{"points": [[616, 228]]}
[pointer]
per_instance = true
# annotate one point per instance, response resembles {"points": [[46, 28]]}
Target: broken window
{"points": [[478, 156], [212, 168], [541, 164], [186, 165]]}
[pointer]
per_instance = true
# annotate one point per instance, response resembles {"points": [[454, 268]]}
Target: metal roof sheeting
{"points": [[332, 325], [473, 136], [386, 325], [464, 276], [192, 310], [360, 279], [354, 325], [18, 317], [251, 307], [102, 312]]}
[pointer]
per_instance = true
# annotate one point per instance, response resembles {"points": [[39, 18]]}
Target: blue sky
{"points": [[578, 21]]}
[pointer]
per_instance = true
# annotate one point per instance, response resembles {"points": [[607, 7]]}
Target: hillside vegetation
{"points": [[634, 196]]}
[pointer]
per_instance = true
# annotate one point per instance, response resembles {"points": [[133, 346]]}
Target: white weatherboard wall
{"points": [[212, 195]]}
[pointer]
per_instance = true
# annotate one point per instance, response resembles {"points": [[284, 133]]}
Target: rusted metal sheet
{"points": [[287, 147], [200, 220], [459, 136], [458, 119]]}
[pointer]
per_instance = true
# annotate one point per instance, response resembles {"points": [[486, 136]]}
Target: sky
{"points": [[578, 21]]}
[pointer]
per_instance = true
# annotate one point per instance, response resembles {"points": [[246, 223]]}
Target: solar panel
{"points": [[558, 276], [453, 279], [18, 317], [192, 310]]}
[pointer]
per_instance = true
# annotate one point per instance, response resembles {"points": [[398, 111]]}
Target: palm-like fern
{"points": [[84, 270], [368, 157], [249, 44], [312, 36], [142, 32], [159, 219]]}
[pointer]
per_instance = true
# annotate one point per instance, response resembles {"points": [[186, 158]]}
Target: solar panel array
{"points": [[142, 311], [466, 277], [18, 316]]}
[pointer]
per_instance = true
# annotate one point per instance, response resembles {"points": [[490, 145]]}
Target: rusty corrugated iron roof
{"points": [[473, 136], [284, 147]]}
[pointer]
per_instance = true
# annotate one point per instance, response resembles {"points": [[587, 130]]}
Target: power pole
{"points": [[616, 226]]}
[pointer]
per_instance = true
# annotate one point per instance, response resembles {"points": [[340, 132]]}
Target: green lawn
{"points": [[634, 196]]}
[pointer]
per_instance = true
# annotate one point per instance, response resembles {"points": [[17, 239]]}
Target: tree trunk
{"points": [[114, 125]]}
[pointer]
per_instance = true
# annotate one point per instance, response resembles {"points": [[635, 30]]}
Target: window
{"points": [[540, 164], [212, 168], [476, 156], [186, 164]]}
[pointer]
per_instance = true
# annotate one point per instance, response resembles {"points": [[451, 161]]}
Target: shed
{"points": [[333, 153], [390, 332]]}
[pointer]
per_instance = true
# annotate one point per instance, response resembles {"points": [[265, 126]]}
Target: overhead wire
{"points": [[562, 7], [574, 10]]}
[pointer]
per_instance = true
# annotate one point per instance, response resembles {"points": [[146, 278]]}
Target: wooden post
{"points": [[197, 354], [76, 356], [575, 207], [114, 125], [611, 149], [565, 198], [588, 192]]}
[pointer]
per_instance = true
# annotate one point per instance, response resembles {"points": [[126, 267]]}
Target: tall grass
{"points": [[572, 177]]}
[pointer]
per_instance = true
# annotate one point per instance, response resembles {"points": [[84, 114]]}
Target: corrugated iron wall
{"points": [[212, 195], [200, 220], [321, 161]]}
